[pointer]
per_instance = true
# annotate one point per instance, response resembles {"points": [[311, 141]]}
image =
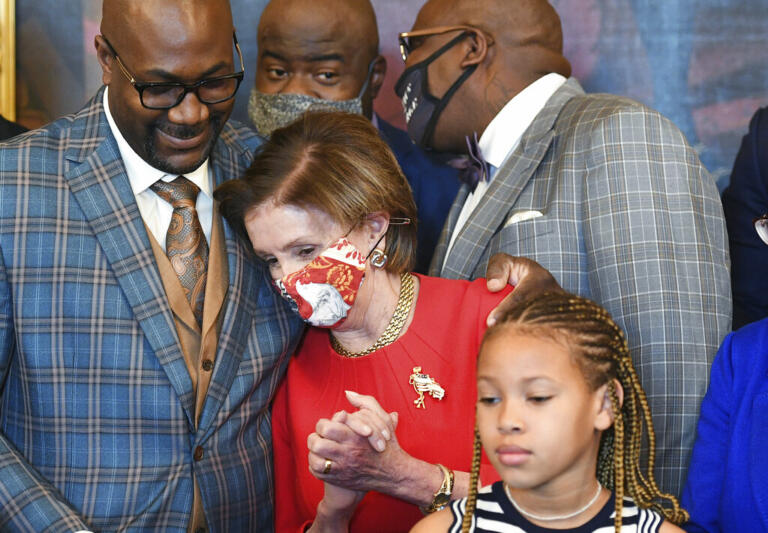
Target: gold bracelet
{"points": [[443, 495]]}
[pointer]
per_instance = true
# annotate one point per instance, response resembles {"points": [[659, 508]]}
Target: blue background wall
{"points": [[703, 63]]}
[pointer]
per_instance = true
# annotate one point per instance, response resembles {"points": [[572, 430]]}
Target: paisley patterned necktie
{"points": [[185, 243]]}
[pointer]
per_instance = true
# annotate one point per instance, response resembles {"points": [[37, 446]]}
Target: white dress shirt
{"points": [[503, 134], [155, 211]]}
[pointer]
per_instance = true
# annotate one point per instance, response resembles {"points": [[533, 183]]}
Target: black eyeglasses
{"points": [[165, 95], [761, 227]]}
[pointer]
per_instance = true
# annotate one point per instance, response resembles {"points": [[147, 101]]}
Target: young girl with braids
{"points": [[551, 375]]}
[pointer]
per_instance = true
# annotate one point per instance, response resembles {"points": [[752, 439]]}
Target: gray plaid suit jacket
{"points": [[96, 405], [632, 220]]}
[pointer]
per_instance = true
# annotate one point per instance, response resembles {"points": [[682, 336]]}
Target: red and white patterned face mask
{"points": [[325, 289]]}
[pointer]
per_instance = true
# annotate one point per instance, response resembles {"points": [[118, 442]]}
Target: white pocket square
{"points": [[514, 218]]}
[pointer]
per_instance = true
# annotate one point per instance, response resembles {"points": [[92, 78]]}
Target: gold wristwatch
{"points": [[443, 495]]}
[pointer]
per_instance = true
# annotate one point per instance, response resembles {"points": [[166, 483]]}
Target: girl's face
{"points": [[539, 422]]}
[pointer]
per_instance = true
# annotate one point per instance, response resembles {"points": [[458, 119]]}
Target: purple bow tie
{"points": [[472, 167]]}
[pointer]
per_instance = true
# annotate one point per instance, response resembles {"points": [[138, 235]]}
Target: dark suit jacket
{"points": [[744, 199], [434, 186], [9, 129], [726, 488]]}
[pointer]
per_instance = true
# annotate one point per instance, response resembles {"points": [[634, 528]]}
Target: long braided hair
{"points": [[602, 354]]}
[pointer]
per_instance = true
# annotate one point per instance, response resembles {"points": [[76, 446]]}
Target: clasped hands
{"points": [[363, 449]]}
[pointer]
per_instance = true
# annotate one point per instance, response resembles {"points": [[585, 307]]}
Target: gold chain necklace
{"points": [[390, 335]]}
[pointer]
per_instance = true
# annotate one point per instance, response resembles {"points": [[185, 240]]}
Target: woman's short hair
{"points": [[335, 162]]}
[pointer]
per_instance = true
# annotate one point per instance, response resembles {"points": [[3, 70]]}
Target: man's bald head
{"points": [[130, 22], [168, 41], [305, 23], [518, 22], [325, 49], [528, 33]]}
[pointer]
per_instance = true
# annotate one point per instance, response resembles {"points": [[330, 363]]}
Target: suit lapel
{"points": [[240, 301], [218, 277], [509, 181], [445, 236], [758, 444], [99, 183], [491, 212]]}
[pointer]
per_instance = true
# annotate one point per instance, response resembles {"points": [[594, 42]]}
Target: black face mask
{"points": [[422, 109]]}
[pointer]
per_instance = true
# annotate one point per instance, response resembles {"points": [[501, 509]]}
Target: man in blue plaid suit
{"points": [[102, 425], [602, 191]]}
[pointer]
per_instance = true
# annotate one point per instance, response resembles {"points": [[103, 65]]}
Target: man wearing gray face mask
{"points": [[324, 55]]}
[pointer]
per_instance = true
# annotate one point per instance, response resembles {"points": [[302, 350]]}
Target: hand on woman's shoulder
{"points": [[438, 522]]}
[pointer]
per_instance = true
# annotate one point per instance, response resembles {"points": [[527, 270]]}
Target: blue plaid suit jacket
{"points": [[631, 219], [96, 404]]}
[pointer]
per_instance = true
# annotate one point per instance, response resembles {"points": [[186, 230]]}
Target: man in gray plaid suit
{"points": [[602, 191]]}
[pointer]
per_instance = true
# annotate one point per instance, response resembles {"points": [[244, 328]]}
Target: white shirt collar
{"points": [[140, 173], [503, 133]]}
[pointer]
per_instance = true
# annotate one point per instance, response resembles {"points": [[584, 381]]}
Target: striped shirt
{"points": [[494, 513]]}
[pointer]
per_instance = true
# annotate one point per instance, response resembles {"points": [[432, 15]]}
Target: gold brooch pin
{"points": [[424, 384]]}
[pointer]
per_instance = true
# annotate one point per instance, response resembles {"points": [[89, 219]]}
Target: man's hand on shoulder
{"points": [[528, 277]]}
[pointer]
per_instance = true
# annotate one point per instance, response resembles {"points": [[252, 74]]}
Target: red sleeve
{"points": [[285, 474], [486, 302]]}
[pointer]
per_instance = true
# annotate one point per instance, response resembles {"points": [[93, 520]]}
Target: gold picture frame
{"points": [[8, 59]]}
